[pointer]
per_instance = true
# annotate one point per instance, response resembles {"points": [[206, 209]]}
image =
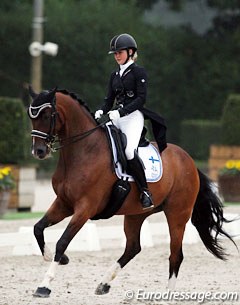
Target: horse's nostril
{"points": [[40, 153]]}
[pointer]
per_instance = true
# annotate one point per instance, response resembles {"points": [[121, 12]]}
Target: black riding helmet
{"points": [[122, 42]]}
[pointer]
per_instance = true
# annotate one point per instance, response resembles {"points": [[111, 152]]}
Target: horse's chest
{"points": [[69, 189]]}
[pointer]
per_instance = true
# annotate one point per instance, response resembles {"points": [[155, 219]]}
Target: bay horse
{"points": [[83, 180]]}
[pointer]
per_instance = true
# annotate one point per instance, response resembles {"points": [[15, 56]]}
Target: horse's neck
{"points": [[77, 122]]}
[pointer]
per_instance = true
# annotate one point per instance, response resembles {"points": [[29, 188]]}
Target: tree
{"points": [[190, 75], [15, 33], [224, 4], [83, 64]]}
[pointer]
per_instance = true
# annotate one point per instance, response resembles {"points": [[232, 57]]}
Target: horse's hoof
{"points": [[42, 292], [64, 260], [102, 288]]}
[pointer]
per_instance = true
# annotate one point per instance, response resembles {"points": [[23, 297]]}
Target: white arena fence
{"points": [[95, 238]]}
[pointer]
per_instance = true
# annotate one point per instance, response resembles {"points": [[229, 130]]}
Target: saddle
{"points": [[121, 187], [120, 140]]}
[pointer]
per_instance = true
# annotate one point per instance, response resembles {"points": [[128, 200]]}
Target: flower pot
{"points": [[4, 200], [219, 155], [229, 186]]}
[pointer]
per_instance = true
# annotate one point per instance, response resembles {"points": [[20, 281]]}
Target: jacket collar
{"points": [[125, 69]]}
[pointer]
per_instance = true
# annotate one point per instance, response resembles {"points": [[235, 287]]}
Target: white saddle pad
{"points": [[151, 160]]}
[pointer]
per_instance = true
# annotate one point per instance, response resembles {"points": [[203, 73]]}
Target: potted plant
{"points": [[7, 183], [229, 181]]}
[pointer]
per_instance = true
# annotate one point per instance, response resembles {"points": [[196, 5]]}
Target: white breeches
{"points": [[132, 125]]}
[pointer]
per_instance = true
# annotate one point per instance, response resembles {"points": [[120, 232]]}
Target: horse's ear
{"points": [[52, 92], [31, 92]]}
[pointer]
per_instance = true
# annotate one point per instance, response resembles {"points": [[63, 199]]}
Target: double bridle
{"points": [[51, 138], [34, 112]]}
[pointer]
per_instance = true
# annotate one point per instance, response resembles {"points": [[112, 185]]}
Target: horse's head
{"points": [[42, 112]]}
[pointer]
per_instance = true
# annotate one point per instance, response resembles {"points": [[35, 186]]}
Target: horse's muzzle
{"points": [[40, 150]]}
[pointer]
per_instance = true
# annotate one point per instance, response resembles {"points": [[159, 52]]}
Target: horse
{"points": [[84, 178]]}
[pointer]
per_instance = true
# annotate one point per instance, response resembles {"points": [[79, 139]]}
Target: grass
{"points": [[22, 215]]}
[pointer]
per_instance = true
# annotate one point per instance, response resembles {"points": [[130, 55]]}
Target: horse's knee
{"points": [[38, 233], [40, 226], [37, 230]]}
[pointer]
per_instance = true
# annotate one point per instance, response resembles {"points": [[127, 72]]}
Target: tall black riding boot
{"points": [[136, 170]]}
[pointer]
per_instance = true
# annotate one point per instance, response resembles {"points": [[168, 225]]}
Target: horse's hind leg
{"points": [[54, 215], [132, 227], [176, 223]]}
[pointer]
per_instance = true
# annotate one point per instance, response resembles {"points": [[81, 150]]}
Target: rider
{"points": [[128, 89]]}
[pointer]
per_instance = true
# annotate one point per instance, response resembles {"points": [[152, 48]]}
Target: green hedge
{"points": [[231, 121], [14, 146], [15, 138], [197, 136]]}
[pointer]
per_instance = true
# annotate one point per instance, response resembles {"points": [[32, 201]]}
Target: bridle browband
{"points": [[51, 138]]}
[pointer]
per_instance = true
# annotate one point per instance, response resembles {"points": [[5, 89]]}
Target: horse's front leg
{"points": [[132, 228], [56, 213], [77, 221]]}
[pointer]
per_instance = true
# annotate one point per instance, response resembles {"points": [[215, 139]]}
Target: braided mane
{"points": [[75, 97]]}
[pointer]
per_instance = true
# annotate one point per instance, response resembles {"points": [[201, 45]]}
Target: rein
{"points": [[73, 139]]}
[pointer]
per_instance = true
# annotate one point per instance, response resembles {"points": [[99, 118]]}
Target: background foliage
{"points": [[190, 74], [231, 121], [198, 135], [14, 122]]}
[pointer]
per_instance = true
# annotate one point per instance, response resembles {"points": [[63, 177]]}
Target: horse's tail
{"points": [[208, 217]]}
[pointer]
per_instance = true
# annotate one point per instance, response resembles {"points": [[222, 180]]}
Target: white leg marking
{"points": [[47, 254], [49, 276], [172, 282], [111, 273]]}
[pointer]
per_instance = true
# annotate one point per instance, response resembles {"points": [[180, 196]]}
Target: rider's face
{"points": [[121, 56]]}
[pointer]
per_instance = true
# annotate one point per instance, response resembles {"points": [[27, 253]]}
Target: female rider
{"points": [[127, 94]]}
